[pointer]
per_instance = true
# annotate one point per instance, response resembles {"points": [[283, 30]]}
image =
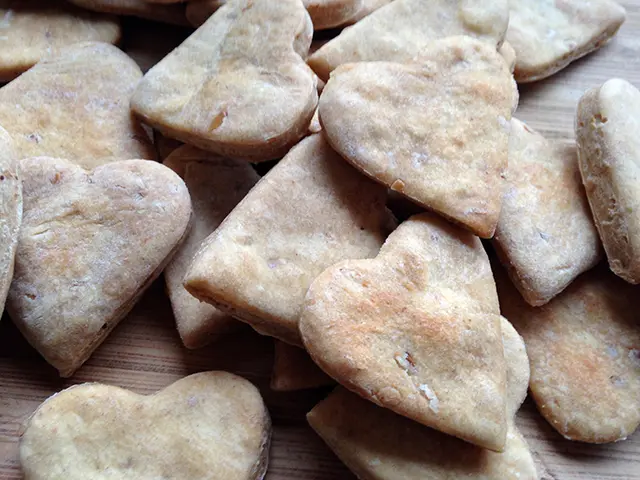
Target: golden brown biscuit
{"points": [[238, 86], [547, 36], [437, 131], [402, 30], [174, 14], [584, 357], [608, 136], [377, 444], [309, 212], [10, 211], [416, 330], [207, 425], [33, 29], [75, 105], [216, 185], [293, 369], [546, 236], [91, 242]]}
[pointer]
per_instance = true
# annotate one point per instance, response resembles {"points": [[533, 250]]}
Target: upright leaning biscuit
{"points": [[608, 136]]}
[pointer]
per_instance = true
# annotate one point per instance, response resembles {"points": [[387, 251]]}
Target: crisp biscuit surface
{"points": [[10, 212], [293, 369], [584, 357], [437, 131], [211, 425], [416, 330], [608, 135], [174, 14], [90, 244], [32, 29], [509, 54], [367, 8], [75, 105], [216, 185], [545, 236], [402, 30], [309, 212], [238, 86], [380, 445], [547, 35]]}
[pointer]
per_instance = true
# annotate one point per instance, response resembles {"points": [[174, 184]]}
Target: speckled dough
{"points": [[91, 242], [377, 444], [309, 212], [402, 30], [293, 369], [608, 135], [32, 29], [10, 212], [548, 35], [75, 105], [546, 236], [217, 428], [584, 357], [216, 185], [437, 131], [174, 14], [416, 330], [238, 86]]}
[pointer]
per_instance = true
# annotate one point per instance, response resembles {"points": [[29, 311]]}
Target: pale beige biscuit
{"points": [[367, 8], [584, 356], [402, 30], [509, 54], [238, 86], [75, 105], [91, 242], [10, 211], [174, 14], [608, 136], [546, 236], [309, 212], [377, 444], [207, 425], [33, 29], [436, 131], [547, 36], [293, 370], [314, 125], [416, 330], [216, 185]]}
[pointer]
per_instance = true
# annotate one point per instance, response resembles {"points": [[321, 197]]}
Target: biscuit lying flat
{"points": [[75, 105], [400, 31], [174, 14], [215, 185], [238, 86], [377, 444], [91, 242], [416, 330], [547, 36], [545, 236], [608, 136], [583, 352], [218, 428], [437, 131], [293, 369], [309, 212], [10, 212], [31, 29]]}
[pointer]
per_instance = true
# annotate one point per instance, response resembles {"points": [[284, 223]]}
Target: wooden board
{"points": [[145, 354]]}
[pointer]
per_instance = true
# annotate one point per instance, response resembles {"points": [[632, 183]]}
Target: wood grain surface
{"points": [[145, 354]]}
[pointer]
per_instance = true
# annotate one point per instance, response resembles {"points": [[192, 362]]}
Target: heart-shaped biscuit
{"points": [[608, 136], [436, 131], [402, 30], [377, 444], [75, 105], [174, 14], [10, 212], [208, 425], [293, 369], [545, 236], [216, 185], [416, 330], [91, 242], [239, 85]]}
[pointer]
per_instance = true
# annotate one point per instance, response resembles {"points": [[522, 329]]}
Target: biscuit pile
{"points": [[429, 252]]}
